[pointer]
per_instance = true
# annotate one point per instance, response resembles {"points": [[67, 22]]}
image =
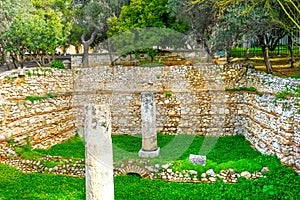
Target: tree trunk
{"points": [[248, 51], [85, 57], [265, 51], [7, 61], [5, 56], [86, 44], [290, 47], [77, 49], [14, 61], [109, 52], [208, 50]]}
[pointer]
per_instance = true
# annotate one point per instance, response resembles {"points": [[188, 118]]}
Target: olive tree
{"points": [[91, 22]]}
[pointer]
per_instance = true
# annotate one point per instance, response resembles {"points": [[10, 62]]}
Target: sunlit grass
{"points": [[229, 152]]}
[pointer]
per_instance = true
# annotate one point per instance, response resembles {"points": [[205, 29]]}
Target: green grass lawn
{"points": [[229, 152], [257, 51]]}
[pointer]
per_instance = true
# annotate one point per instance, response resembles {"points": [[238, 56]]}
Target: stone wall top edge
{"points": [[270, 77], [16, 72]]}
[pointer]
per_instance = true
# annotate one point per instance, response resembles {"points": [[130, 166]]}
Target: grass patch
{"points": [[228, 152], [73, 148], [296, 76], [16, 185], [249, 89], [257, 51], [40, 98], [293, 92]]}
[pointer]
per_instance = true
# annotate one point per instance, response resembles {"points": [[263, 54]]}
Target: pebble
{"points": [[210, 172], [265, 169], [169, 170], [246, 174], [212, 179]]}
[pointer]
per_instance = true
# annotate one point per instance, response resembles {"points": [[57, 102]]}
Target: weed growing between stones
{"points": [[40, 98], [248, 89], [288, 93]]}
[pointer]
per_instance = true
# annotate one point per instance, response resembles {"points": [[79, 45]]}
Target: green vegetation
{"points": [[57, 64], [257, 51], [73, 148], [293, 92], [10, 79], [296, 76], [249, 89], [38, 71], [40, 98], [229, 152], [168, 93], [36, 33], [16, 185]]}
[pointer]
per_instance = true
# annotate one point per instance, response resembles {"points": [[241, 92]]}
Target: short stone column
{"points": [[98, 153], [149, 135]]}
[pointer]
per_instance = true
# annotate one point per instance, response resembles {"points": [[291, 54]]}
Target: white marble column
{"points": [[98, 153]]}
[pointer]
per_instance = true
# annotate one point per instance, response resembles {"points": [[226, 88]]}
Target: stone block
{"points": [[197, 159]]}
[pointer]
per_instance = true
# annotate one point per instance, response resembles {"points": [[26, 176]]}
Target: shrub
{"points": [[57, 64]]}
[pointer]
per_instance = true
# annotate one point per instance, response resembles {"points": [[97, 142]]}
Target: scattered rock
{"points": [[246, 174], [2, 138], [166, 166], [212, 179], [265, 169], [197, 159], [193, 172], [210, 172], [169, 170], [204, 179]]}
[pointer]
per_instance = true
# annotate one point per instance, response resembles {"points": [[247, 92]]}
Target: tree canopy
{"points": [[36, 33], [144, 24], [37, 27]]}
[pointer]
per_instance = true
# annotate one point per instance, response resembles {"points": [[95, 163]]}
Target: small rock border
{"points": [[76, 168]]}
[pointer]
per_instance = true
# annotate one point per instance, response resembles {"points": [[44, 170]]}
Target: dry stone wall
{"points": [[189, 99], [36, 106], [272, 125]]}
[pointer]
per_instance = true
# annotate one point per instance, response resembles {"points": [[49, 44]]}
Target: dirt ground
{"points": [[281, 65]]}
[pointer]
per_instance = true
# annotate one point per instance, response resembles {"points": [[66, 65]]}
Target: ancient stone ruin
{"points": [[149, 134], [45, 104]]}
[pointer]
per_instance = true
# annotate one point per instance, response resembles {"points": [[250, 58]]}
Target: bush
{"points": [[57, 64]]}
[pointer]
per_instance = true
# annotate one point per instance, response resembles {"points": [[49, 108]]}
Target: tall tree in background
{"points": [[291, 10], [91, 21], [36, 33], [9, 9], [144, 24], [235, 19], [202, 17]]}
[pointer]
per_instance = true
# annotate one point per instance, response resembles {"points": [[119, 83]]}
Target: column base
{"points": [[149, 154]]}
